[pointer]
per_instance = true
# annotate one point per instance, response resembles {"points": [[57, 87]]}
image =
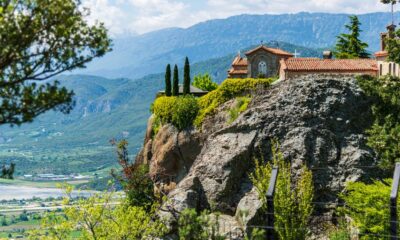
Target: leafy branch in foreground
{"points": [[40, 39], [99, 217]]}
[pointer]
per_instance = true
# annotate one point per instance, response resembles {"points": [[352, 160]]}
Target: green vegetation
{"points": [[240, 106], [179, 111], [229, 89], [193, 226], [168, 90], [175, 84], [95, 217], [350, 45], [204, 82], [8, 172], [39, 41], [368, 207], [186, 77], [293, 198], [134, 179], [384, 135]]}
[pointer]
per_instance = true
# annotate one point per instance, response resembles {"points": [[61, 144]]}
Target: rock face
{"points": [[318, 121]]}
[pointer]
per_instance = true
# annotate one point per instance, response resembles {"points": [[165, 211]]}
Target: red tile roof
{"points": [[381, 54], [239, 61], [237, 71], [328, 65], [275, 51]]}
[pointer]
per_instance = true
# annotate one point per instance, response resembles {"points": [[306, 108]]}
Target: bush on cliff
{"points": [[229, 89], [293, 198], [384, 135], [178, 111], [368, 206]]}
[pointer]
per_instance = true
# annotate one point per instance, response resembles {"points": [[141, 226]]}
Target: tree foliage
{"points": [[293, 197], [8, 172], [40, 39], [389, 1], [134, 178], [349, 45], [186, 77], [204, 82], [384, 135], [99, 218], [393, 46], [175, 84], [168, 90]]}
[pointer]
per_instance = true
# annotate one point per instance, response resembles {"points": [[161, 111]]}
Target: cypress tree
{"points": [[175, 87], [168, 81], [186, 77], [350, 45]]}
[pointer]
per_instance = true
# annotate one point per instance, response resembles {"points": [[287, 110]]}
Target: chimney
{"points": [[327, 55]]}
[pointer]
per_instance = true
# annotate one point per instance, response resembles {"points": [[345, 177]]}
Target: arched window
{"points": [[380, 69], [390, 69], [262, 68]]}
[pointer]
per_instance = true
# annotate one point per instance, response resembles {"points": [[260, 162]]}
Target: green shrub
{"points": [[384, 135], [193, 226], [204, 82], [178, 111], [292, 200], [339, 235], [240, 106], [368, 207], [229, 89]]}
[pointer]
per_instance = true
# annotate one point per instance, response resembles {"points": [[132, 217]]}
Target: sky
{"points": [[125, 17]]}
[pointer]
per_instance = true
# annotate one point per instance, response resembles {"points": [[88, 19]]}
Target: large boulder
{"points": [[319, 122]]}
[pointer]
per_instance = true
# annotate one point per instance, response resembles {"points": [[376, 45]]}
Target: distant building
{"points": [[270, 62], [295, 67], [384, 66], [259, 62]]}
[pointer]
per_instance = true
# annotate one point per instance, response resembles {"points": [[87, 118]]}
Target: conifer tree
{"points": [[175, 87], [168, 90], [186, 77], [349, 45]]}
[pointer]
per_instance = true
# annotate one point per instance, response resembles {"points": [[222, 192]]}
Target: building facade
{"points": [[386, 67], [260, 62]]}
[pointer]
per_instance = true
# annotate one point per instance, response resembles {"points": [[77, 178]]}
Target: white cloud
{"points": [[140, 16]]}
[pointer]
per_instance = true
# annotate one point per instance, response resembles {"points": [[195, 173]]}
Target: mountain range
{"points": [[137, 56], [114, 101]]}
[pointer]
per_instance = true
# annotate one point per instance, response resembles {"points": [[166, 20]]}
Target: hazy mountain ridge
{"points": [[105, 109], [140, 55]]}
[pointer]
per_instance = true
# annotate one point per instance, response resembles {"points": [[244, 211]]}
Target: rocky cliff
{"points": [[319, 121]]}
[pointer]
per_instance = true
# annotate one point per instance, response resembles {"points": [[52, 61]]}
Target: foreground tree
{"points": [[40, 39], [99, 217], [175, 86], [349, 45], [186, 77], [168, 90]]}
